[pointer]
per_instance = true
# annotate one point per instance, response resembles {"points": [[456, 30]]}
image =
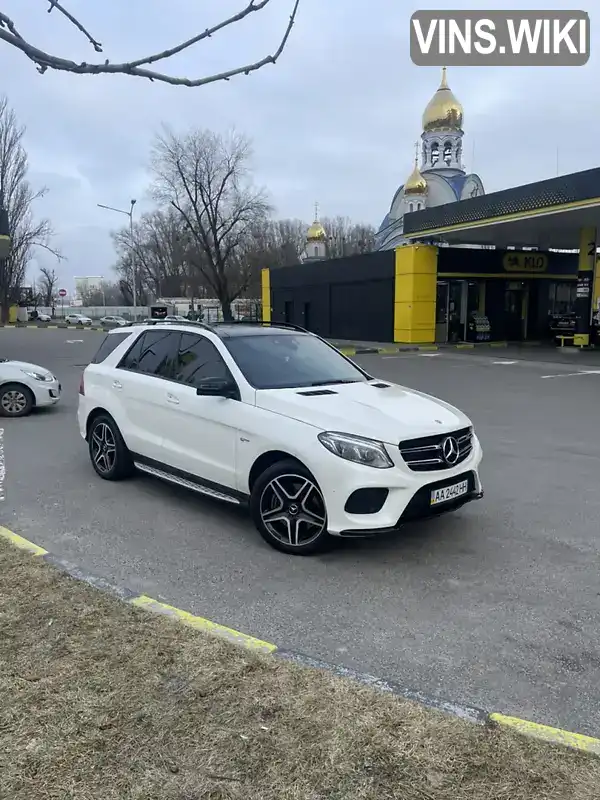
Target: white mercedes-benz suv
{"points": [[274, 416]]}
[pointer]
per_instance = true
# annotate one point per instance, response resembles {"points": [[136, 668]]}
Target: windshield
{"points": [[286, 361]]}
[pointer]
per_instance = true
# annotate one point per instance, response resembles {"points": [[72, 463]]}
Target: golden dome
{"points": [[316, 231], [416, 183], [444, 112]]}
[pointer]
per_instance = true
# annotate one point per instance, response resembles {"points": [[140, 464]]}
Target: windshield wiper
{"points": [[334, 382]]}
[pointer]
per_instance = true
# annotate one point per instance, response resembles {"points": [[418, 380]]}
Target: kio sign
{"points": [[500, 38]]}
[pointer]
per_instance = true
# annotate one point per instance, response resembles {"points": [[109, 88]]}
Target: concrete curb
{"points": [[48, 327], [63, 326], [478, 716], [422, 348]]}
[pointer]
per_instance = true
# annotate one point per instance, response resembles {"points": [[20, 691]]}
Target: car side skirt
{"points": [[192, 482]]}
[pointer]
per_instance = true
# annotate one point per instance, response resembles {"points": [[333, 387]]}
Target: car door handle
{"points": [[172, 399], [117, 385]]}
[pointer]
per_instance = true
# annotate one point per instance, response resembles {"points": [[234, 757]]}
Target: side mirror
{"points": [[217, 387]]}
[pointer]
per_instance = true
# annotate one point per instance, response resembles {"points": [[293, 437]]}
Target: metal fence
{"points": [[211, 312]]}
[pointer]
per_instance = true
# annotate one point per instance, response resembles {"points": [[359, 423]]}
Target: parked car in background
{"points": [[175, 318], [114, 320], [38, 316], [77, 319], [25, 386]]}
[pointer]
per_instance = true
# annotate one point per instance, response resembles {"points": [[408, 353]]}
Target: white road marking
{"points": [[74, 341], [429, 355], [504, 362], [573, 374]]}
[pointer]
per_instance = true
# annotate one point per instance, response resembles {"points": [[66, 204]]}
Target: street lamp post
{"points": [[133, 269]]}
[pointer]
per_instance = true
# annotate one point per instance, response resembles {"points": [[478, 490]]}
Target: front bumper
{"points": [[420, 507], [407, 494], [46, 393]]}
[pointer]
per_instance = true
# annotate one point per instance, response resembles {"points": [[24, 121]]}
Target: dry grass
{"points": [[99, 701]]}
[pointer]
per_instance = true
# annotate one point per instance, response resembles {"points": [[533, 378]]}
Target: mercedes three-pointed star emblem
{"points": [[450, 450]]}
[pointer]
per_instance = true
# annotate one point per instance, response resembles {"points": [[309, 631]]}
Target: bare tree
{"points": [[46, 284], [162, 248], [17, 197], [347, 238], [206, 178], [140, 66]]}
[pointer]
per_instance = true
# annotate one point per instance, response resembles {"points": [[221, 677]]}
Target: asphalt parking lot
{"points": [[496, 605]]}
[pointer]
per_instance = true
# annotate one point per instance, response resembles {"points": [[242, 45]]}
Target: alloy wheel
{"points": [[104, 448], [292, 509], [14, 401]]}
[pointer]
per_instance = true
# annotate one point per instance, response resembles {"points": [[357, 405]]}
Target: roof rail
{"points": [[272, 324], [173, 322]]}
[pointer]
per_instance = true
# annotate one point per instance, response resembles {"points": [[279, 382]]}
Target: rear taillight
{"points": [[81, 386]]}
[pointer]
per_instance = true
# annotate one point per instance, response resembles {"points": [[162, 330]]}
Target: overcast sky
{"points": [[335, 120]]}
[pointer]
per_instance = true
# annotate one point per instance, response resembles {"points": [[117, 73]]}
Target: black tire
{"points": [[304, 520], [18, 397], [115, 463]]}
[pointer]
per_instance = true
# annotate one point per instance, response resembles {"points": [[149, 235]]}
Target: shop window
{"points": [[561, 297], [472, 298]]}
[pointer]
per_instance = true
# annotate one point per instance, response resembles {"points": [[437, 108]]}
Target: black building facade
{"points": [[344, 298]]}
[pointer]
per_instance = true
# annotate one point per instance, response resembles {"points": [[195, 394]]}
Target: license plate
{"points": [[449, 493]]}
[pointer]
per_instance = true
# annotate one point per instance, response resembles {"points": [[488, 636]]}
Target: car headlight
{"points": [[39, 376], [357, 449]]}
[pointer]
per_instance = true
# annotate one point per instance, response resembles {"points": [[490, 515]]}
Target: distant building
{"points": [[85, 285]]}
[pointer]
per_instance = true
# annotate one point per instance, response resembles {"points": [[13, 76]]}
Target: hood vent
{"points": [[381, 385], [316, 392]]}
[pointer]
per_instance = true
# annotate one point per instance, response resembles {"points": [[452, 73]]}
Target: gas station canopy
{"points": [[548, 215]]}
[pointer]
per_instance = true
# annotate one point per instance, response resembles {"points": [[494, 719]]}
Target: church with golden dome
{"points": [[315, 248], [438, 176]]}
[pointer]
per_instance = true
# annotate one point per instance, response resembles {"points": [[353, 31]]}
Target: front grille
{"points": [[426, 455]]}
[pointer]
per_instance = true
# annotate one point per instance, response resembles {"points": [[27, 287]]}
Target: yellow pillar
{"points": [[12, 314], [585, 279], [265, 282], [415, 294]]}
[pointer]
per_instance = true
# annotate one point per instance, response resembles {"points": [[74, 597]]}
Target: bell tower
{"points": [[442, 137]]}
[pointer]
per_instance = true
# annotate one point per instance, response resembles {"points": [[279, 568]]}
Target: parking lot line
{"points": [[573, 374]]}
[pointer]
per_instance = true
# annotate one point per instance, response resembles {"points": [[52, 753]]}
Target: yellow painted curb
{"points": [[201, 624], [428, 347], [549, 735], [464, 346], [348, 351], [21, 543]]}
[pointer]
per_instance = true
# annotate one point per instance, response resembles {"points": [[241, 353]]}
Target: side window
{"points": [[110, 343], [154, 353], [198, 359]]}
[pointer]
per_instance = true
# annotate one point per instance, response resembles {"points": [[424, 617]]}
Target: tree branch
{"points": [[45, 61], [54, 4]]}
